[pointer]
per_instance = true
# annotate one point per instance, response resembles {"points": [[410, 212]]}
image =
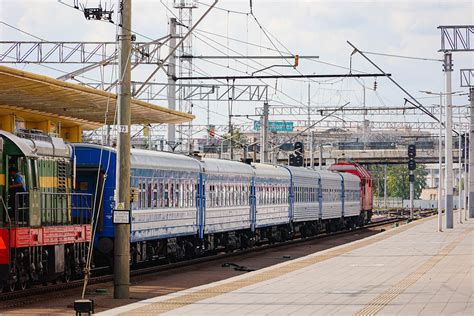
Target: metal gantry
{"points": [[467, 77], [404, 110], [154, 91], [457, 38], [42, 52]]}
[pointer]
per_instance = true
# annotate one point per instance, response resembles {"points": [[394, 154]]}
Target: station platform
{"points": [[409, 270]]}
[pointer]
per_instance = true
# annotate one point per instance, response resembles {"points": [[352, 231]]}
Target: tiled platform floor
{"points": [[410, 270]]}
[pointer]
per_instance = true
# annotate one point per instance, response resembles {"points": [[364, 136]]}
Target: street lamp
{"points": [[440, 152]]}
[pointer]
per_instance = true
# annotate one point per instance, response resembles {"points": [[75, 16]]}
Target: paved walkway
{"points": [[411, 270]]}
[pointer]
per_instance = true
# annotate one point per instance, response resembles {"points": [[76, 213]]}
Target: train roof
{"points": [[143, 159], [220, 166], [42, 145], [303, 172], [268, 170], [350, 177], [353, 168]]}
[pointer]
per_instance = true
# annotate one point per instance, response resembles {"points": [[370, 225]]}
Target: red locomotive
{"points": [[366, 184]]}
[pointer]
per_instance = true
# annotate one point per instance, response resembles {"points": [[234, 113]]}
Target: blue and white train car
{"points": [[228, 189], [306, 185], [352, 205], [272, 196], [332, 185], [166, 201]]}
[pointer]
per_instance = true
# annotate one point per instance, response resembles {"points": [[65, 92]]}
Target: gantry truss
{"points": [[338, 126], [467, 77], [197, 92], [457, 38], [313, 110], [14, 52]]}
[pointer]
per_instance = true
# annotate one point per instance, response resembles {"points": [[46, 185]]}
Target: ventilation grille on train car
{"points": [[34, 134], [62, 176]]}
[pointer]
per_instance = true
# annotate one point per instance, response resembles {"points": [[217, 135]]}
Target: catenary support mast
{"points": [[448, 69], [122, 198]]}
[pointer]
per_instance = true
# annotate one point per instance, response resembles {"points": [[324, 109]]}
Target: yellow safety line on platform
{"points": [[378, 303], [190, 298]]}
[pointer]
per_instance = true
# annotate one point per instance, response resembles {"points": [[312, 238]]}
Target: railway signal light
{"points": [[296, 160], [412, 178], [411, 151], [299, 148], [411, 164]]}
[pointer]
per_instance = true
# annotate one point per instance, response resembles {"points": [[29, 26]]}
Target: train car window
{"points": [[34, 174], [186, 194], [149, 193], [177, 201], [166, 197], [155, 193]]}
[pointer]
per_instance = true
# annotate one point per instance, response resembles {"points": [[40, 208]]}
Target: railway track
{"points": [[39, 290]]}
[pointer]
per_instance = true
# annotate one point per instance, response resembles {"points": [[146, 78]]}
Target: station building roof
{"points": [[72, 104]]}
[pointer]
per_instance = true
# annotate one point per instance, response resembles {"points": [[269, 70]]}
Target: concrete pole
{"points": [[122, 198], [264, 134], [320, 157], [471, 154], [208, 121], [255, 149], [150, 147], [311, 150], [460, 208], [466, 180], [440, 152], [363, 117], [448, 68], [172, 84], [385, 186], [231, 138], [310, 136]]}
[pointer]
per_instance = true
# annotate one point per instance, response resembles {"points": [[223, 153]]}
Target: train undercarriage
{"points": [[189, 247], [42, 265]]}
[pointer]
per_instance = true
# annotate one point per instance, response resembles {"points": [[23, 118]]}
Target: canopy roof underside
{"points": [[41, 94]]}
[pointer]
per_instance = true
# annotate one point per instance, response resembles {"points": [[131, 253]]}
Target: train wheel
{"points": [[67, 276], [23, 284], [23, 279], [11, 286]]}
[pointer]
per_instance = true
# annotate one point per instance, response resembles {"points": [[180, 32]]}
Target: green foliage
{"points": [[398, 184], [238, 138]]}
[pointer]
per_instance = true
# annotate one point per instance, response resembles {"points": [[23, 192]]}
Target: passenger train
{"points": [[184, 206]]}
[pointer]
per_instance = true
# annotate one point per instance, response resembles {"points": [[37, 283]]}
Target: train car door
{"points": [[86, 182]]}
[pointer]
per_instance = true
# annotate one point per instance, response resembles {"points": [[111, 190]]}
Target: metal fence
{"points": [[50, 209], [389, 203]]}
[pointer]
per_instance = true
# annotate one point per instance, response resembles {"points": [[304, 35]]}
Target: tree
{"points": [[398, 184], [397, 180], [239, 140]]}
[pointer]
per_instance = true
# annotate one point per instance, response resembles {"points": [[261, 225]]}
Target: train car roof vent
{"points": [[34, 134]]}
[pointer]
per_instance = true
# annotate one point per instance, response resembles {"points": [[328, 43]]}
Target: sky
{"points": [[320, 27]]}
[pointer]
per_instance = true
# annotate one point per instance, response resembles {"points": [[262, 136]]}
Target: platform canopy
{"points": [[29, 92]]}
